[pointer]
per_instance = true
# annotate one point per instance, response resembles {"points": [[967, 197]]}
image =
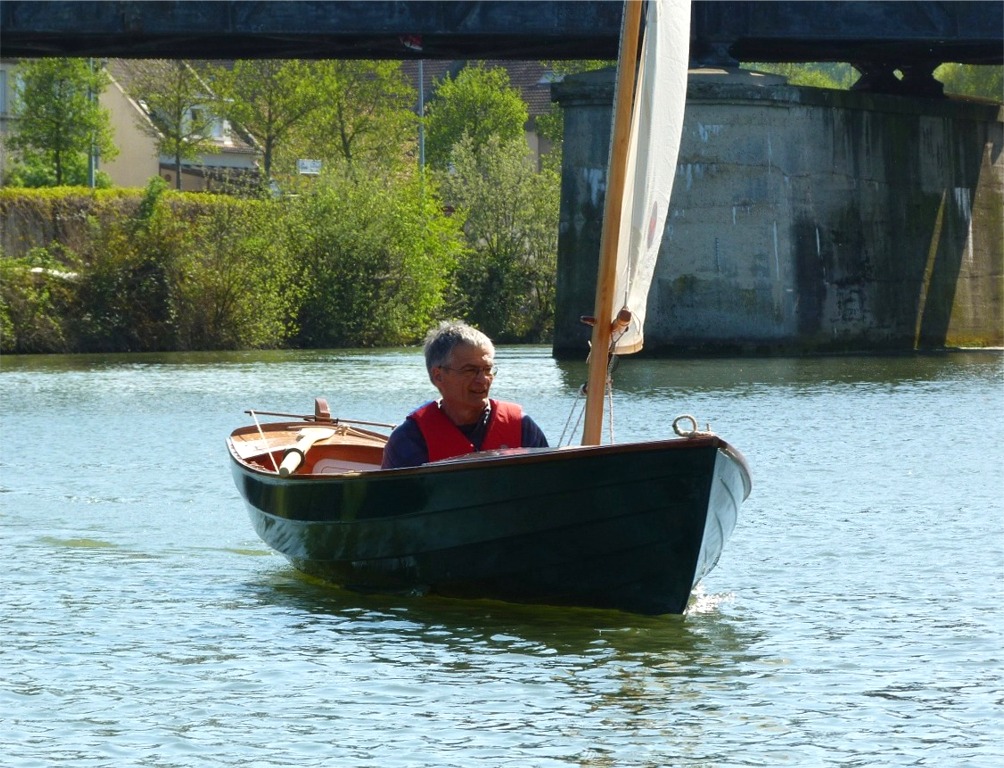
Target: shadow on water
{"points": [[257, 357], [703, 638]]}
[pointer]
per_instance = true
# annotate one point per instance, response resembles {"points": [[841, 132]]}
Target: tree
{"points": [[178, 104], [59, 121], [551, 126], [511, 213], [365, 116], [269, 98], [837, 76], [986, 82], [478, 103]]}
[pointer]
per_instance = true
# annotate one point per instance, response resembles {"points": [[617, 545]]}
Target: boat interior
{"points": [[347, 450], [320, 444]]}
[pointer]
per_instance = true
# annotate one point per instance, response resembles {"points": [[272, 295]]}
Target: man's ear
{"points": [[437, 375]]}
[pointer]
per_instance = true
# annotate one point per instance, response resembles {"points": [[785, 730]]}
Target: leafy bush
{"points": [[33, 170], [126, 294], [984, 82], [506, 285], [36, 297], [360, 263], [189, 272], [239, 286], [378, 255]]}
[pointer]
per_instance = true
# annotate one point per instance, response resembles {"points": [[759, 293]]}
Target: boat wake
{"points": [[702, 603]]}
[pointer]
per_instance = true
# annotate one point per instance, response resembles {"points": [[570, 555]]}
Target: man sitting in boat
{"points": [[461, 364]]}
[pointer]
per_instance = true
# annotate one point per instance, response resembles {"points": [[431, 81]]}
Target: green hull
{"points": [[632, 527]]}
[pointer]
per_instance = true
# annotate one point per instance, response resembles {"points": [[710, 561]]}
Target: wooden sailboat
{"points": [[629, 526]]}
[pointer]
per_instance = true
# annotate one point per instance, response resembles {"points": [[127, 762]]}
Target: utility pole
{"points": [[421, 115], [92, 159]]}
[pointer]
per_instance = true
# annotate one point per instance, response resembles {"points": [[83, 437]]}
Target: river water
{"points": [[854, 619]]}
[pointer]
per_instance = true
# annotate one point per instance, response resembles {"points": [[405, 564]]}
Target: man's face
{"points": [[465, 381]]}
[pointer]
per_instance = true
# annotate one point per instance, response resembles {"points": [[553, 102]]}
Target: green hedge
{"points": [[354, 263]]}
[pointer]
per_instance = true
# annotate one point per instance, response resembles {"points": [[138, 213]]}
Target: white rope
{"points": [[693, 431], [611, 364], [264, 440]]}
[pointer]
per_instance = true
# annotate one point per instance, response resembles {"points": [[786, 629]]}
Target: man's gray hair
{"points": [[449, 334]]}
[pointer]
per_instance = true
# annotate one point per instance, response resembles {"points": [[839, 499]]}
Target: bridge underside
{"points": [[877, 36]]}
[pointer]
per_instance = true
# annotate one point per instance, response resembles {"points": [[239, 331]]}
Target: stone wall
{"points": [[802, 220]]}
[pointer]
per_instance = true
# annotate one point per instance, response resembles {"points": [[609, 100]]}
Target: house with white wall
{"points": [[233, 158]]}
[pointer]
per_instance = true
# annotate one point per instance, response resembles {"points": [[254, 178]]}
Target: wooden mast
{"points": [[605, 277]]}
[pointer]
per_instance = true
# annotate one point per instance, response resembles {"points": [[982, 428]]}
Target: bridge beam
{"points": [[878, 33]]}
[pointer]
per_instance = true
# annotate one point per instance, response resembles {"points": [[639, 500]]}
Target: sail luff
{"points": [[656, 128], [616, 179], [639, 183]]}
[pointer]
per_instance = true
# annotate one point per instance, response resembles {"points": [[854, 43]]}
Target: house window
{"points": [[3, 91], [220, 130]]}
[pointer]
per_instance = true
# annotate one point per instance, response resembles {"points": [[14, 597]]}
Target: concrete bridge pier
{"points": [[803, 220]]}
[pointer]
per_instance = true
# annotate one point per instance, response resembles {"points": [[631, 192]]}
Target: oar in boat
{"points": [[306, 438]]}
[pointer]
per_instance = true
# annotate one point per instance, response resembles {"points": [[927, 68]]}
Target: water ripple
{"points": [[853, 620]]}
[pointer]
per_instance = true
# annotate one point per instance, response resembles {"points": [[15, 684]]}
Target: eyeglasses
{"points": [[471, 371]]}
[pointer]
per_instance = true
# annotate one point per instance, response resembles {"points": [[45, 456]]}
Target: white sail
{"points": [[656, 127]]}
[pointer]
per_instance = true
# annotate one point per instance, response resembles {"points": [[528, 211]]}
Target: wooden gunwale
{"points": [[359, 446]]}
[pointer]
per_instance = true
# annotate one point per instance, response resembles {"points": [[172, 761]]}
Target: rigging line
{"points": [[576, 405], [578, 423], [610, 407], [264, 440], [608, 390]]}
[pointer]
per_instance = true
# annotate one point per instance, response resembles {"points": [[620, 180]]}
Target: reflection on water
{"points": [[537, 630], [650, 377], [853, 618], [584, 671]]}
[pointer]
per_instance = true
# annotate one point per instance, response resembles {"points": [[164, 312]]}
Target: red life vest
{"points": [[444, 440]]}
